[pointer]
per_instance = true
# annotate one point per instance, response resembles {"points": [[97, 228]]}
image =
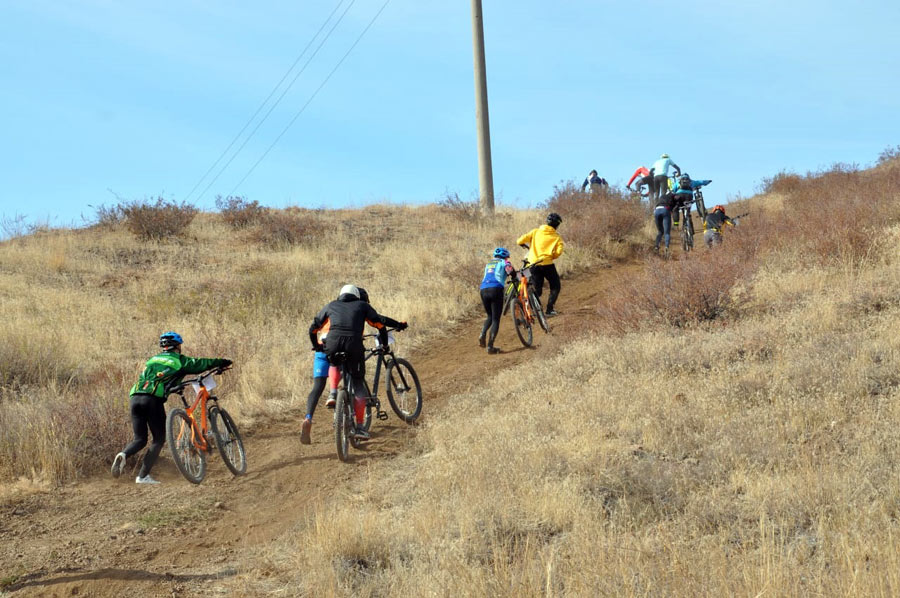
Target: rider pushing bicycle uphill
{"points": [[344, 320], [148, 396], [545, 246], [491, 290]]}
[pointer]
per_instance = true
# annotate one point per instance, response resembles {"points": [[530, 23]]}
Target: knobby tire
{"points": [[521, 323], [228, 440], [343, 418], [539, 312], [189, 460], [403, 390]]}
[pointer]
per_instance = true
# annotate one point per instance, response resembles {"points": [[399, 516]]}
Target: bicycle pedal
{"points": [[382, 415]]}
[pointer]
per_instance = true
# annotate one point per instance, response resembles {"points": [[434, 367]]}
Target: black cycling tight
{"points": [[492, 299], [147, 411]]}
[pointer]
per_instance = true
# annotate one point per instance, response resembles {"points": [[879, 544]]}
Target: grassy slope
{"points": [[753, 452], [82, 310], [743, 456]]}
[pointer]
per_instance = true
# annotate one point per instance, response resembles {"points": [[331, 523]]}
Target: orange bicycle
{"points": [[188, 430], [526, 306]]}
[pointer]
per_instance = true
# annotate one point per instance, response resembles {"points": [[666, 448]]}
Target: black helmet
{"points": [[363, 295], [554, 219]]}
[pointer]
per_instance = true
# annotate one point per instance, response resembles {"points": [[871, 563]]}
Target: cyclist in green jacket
{"points": [[148, 396]]}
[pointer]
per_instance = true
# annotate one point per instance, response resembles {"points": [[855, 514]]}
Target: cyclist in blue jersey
{"points": [[492, 284], [661, 175], [684, 194]]}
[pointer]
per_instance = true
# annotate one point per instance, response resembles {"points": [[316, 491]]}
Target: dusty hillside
{"points": [[721, 423]]}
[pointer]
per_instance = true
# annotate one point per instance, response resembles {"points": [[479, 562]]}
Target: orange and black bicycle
{"points": [[192, 431], [526, 306]]}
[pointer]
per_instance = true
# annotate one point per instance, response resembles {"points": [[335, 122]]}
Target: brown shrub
{"points": [[466, 211], [280, 229], [681, 293], [595, 220], [158, 219], [239, 213]]}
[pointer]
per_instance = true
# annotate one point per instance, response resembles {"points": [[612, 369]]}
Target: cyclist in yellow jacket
{"points": [[544, 246]]}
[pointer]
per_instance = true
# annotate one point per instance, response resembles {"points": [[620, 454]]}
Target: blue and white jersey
{"points": [[494, 274]]}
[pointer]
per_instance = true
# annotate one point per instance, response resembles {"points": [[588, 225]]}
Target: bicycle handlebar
{"points": [[185, 383]]}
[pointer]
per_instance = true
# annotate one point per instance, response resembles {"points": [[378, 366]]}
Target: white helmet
{"points": [[349, 289]]}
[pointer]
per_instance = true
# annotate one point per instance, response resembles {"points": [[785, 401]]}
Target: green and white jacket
{"points": [[167, 369]]}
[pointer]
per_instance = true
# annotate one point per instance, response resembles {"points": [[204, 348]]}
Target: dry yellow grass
{"points": [[82, 310], [755, 458]]}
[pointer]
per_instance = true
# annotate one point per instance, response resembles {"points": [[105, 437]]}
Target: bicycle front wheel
{"points": [[687, 238], [343, 420], [521, 323], [189, 459], [539, 312], [228, 440], [403, 390]]}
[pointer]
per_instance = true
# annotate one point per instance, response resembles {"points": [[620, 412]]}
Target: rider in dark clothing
{"points": [[344, 320]]}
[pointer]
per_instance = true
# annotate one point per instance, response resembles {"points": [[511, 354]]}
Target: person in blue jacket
{"points": [[492, 284], [595, 181], [684, 194]]}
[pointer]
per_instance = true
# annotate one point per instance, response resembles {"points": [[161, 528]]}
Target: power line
{"points": [[269, 97], [312, 97], [297, 76]]}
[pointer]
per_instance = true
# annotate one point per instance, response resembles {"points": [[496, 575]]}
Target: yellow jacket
{"points": [[546, 245]]}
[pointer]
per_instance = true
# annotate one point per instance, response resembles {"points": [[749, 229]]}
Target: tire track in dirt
{"points": [[109, 538]]}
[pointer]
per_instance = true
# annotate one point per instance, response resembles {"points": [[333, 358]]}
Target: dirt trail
{"points": [[108, 538]]}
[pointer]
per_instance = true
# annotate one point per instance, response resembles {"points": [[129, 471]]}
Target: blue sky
{"points": [[104, 97]]}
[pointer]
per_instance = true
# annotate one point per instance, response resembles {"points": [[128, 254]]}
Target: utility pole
{"points": [[485, 171]]}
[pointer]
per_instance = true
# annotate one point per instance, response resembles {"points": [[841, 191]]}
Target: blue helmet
{"points": [[501, 252], [170, 339]]}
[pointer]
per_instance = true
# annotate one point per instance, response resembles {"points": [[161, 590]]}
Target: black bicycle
{"points": [[404, 393], [687, 226]]}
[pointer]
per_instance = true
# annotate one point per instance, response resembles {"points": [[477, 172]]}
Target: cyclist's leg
{"points": [[537, 280], [486, 302], [156, 420], [667, 227], [658, 214], [555, 286], [493, 299], [313, 399], [138, 424], [661, 183]]}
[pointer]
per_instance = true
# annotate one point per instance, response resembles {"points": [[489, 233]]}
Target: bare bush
{"points": [[680, 293], [159, 219], [238, 212], [279, 229], [466, 211], [595, 220], [108, 216]]}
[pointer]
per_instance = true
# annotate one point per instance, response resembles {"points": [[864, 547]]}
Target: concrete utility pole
{"points": [[485, 171]]}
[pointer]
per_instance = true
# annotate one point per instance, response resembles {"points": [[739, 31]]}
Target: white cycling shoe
{"points": [[145, 480]]}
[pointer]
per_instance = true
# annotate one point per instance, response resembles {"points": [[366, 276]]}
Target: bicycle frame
{"points": [[198, 429]]}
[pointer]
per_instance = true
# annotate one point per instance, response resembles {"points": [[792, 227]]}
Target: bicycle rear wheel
{"points": [[343, 420], [539, 311], [367, 422], [521, 323], [509, 296], [403, 390], [228, 440], [189, 460]]}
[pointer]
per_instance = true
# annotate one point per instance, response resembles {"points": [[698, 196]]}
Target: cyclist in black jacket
{"points": [[344, 321]]}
